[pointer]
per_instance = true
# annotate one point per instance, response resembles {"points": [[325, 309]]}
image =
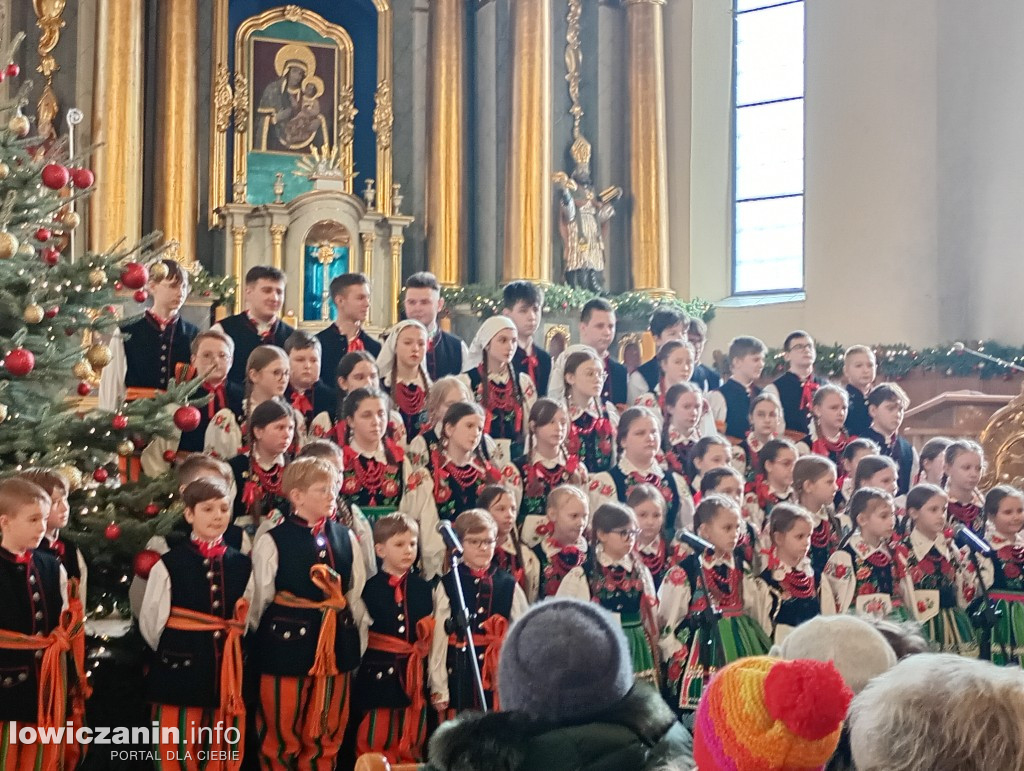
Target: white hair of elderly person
{"points": [[940, 712]]}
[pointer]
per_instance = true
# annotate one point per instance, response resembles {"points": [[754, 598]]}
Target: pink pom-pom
{"points": [[810, 697]]}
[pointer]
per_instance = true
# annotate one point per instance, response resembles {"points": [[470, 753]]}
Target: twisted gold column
{"points": [[175, 209], [528, 209], [645, 63], [115, 208], [445, 167]]}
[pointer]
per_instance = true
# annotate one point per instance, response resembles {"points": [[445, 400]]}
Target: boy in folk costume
{"points": [[706, 378], [497, 601], [730, 404], [306, 392], [194, 617], [260, 323], [859, 370], [887, 403], [390, 689], [38, 629], [795, 387], [145, 354], [423, 303], [309, 577], [350, 293], [522, 302]]}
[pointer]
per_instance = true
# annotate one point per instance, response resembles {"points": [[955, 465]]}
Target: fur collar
{"points": [[499, 741]]}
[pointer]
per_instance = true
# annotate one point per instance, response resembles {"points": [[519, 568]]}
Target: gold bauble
{"points": [[126, 448], [19, 125], [33, 314], [157, 271], [71, 475], [3, 412], [27, 249], [8, 245], [5, 171], [70, 220], [82, 370], [97, 278], [98, 356]]}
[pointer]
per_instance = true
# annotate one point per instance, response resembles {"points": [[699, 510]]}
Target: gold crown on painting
{"points": [[580, 151]]}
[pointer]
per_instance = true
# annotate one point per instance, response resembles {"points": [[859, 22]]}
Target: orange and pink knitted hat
{"points": [[766, 714]]}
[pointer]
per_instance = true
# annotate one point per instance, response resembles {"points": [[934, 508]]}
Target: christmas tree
{"points": [[54, 312]]}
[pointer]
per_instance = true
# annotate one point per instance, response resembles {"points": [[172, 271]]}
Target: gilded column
{"points": [[175, 209], [277, 245], [115, 208], [238, 260], [528, 210], [445, 167], [396, 275], [645, 64]]}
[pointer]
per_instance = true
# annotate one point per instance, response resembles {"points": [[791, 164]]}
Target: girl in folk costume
{"points": [[592, 422], [565, 548], [829, 436], [814, 486], [403, 368], [1003, 572], [786, 592], [880, 472], [497, 601], [684, 406], [933, 461], [373, 478], [675, 364], [615, 578], [765, 425], [855, 452], [546, 466], [964, 464], [940, 582], [693, 589], [639, 438], [505, 396], [451, 483], [773, 483], [725, 480], [862, 576], [652, 547], [356, 369], [267, 372], [711, 452], [442, 395], [510, 554], [258, 470]]}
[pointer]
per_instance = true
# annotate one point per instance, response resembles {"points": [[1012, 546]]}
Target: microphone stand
{"points": [[707, 622], [985, 616], [961, 348], [460, 623]]}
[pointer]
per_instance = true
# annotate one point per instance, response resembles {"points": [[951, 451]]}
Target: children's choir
{"points": [[312, 561]]}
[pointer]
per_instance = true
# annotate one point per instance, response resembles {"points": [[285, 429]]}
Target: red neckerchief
{"points": [[267, 334], [219, 400], [160, 323], [409, 398], [808, 387], [209, 549], [57, 547], [355, 343], [825, 447], [398, 584], [484, 573], [301, 402], [531, 362], [24, 558]]}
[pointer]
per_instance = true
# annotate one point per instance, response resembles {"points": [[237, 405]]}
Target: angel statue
{"points": [[583, 221]]}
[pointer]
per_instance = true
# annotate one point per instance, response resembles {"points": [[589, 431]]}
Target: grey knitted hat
{"points": [[564, 660]]}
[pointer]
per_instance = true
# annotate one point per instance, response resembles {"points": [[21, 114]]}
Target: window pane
{"points": [[769, 245], [749, 5], [770, 54], [770, 150]]}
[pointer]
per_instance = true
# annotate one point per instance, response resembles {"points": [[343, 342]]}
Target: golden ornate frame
{"points": [[229, 103]]}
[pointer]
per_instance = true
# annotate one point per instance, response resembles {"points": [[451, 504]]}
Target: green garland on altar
{"points": [[899, 360], [486, 300]]}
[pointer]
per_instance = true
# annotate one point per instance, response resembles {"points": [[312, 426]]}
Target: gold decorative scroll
{"points": [[573, 63], [50, 20], [241, 105], [383, 124], [347, 132], [220, 116]]}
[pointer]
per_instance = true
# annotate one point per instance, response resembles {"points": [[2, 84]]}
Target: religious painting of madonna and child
{"points": [[293, 89]]}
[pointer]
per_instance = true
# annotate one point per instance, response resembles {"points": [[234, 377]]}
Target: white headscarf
{"points": [[484, 335], [386, 357], [556, 385]]}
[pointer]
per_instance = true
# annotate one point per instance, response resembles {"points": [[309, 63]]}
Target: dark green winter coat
{"points": [[638, 733]]}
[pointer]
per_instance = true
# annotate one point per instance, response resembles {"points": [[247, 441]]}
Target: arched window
{"points": [[768, 147]]}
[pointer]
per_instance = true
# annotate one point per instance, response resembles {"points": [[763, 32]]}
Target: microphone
{"points": [[963, 536], [694, 541], [961, 348], [444, 527]]}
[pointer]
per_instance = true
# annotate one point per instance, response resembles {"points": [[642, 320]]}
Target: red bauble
{"points": [[100, 475], [187, 418], [144, 561], [134, 275], [55, 176], [82, 178], [52, 312], [84, 389], [170, 456], [50, 255], [118, 286], [152, 510], [112, 532], [119, 422], [43, 234], [20, 362], [13, 70], [141, 295]]}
